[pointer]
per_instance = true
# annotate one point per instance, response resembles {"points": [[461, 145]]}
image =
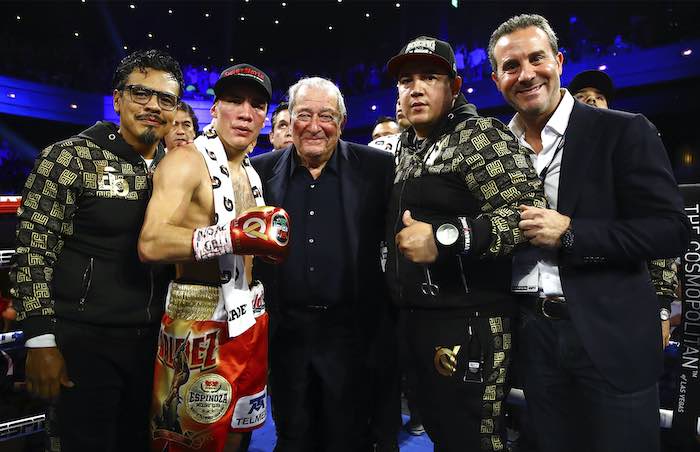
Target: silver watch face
{"points": [[447, 234], [664, 314]]}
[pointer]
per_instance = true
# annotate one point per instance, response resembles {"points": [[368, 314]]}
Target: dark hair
{"points": [[520, 22], [184, 106], [146, 59], [383, 119], [282, 106]]}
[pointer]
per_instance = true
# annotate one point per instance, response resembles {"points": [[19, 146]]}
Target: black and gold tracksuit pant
{"points": [[461, 363]]}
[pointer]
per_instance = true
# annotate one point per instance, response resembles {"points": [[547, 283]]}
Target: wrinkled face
{"points": [[316, 124], [528, 72], [592, 97], [426, 94], [281, 135], [385, 128], [239, 115], [181, 132], [145, 125], [400, 117]]}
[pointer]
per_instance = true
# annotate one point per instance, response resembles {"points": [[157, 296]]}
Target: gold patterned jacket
{"points": [[664, 277], [82, 209], [472, 174]]}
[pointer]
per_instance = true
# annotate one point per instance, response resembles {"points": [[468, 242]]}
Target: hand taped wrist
{"points": [[211, 241]]}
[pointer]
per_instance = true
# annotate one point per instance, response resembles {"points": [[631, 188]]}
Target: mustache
{"points": [[151, 117]]}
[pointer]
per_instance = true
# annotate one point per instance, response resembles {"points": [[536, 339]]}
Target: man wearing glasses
{"points": [[89, 308], [326, 301]]}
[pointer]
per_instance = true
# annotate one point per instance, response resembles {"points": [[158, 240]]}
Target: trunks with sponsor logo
{"points": [[207, 384]]}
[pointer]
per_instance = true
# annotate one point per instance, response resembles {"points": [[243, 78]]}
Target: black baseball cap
{"points": [[425, 48], [592, 79], [243, 72]]}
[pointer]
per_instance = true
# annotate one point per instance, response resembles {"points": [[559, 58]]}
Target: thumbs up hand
{"points": [[416, 241], [407, 218]]}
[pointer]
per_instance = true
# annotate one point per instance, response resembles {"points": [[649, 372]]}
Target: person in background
{"points": [[593, 87], [383, 126], [281, 133], [185, 127]]}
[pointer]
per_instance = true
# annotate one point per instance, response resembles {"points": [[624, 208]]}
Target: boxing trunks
{"points": [[206, 383]]}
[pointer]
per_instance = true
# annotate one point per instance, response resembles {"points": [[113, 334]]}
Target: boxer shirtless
{"points": [[206, 215]]}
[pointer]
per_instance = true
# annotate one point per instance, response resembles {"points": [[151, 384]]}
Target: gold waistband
{"points": [[192, 301]]}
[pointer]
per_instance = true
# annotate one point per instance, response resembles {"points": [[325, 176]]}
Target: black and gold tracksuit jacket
{"points": [[472, 173], [82, 210]]}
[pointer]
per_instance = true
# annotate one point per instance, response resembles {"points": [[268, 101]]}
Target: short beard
{"points": [[149, 137]]}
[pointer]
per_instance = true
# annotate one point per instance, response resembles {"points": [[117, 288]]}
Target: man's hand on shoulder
{"points": [[543, 227], [46, 372], [416, 241]]}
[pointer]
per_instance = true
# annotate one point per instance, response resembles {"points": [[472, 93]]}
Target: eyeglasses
{"points": [[307, 117], [142, 96]]}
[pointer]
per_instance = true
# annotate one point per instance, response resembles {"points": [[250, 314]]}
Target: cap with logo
{"points": [[592, 79], [246, 73], [425, 48]]}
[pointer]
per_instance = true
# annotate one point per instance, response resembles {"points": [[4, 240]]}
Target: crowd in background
{"points": [[76, 67], [86, 67]]}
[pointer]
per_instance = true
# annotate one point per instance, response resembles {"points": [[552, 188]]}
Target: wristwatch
{"points": [[567, 240], [447, 234], [665, 314]]}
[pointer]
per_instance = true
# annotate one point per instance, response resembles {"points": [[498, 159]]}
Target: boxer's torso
{"points": [[200, 212]]}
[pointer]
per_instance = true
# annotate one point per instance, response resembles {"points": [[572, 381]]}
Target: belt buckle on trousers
{"points": [[559, 302]]}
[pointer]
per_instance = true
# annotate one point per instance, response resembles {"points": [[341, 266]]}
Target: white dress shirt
{"points": [[536, 270]]}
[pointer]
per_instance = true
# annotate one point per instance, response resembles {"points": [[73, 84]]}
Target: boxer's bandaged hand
{"points": [[259, 231], [211, 241]]}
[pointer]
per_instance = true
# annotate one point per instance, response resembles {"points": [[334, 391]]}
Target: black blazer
{"points": [[366, 175], [618, 187]]}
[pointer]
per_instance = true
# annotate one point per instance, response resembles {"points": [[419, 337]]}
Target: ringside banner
{"points": [[686, 412]]}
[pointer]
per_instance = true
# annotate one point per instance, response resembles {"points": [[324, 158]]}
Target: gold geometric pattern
{"points": [[494, 168], [480, 141], [664, 277], [67, 177], [64, 158], [495, 390], [45, 167], [487, 426], [496, 325], [64, 173]]}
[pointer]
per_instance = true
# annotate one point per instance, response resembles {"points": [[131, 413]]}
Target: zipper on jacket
{"points": [[87, 281], [461, 273], [396, 246], [150, 296]]}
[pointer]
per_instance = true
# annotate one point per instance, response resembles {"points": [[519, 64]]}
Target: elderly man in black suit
{"points": [[327, 299], [591, 325]]}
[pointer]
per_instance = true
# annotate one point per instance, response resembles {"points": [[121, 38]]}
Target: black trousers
{"points": [[384, 384], [571, 405], [112, 368], [465, 410], [318, 374]]}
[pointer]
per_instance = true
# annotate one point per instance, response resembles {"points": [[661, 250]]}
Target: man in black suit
{"points": [[591, 327], [327, 299]]}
